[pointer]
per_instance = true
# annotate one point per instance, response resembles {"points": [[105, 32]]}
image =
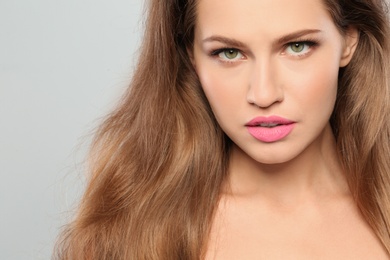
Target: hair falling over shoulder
{"points": [[158, 161], [361, 119]]}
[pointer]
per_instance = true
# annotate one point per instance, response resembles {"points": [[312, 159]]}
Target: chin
{"points": [[266, 156], [274, 160]]}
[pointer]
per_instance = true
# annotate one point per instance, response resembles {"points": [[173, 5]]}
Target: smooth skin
{"points": [[286, 199]]}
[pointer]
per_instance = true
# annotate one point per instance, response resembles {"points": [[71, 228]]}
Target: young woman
{"points": [[256, 129]]}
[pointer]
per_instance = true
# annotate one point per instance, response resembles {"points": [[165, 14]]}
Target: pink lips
{"points": [[270, 129]]}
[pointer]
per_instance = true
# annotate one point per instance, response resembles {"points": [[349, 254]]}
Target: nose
{"points": [[265, 87]]}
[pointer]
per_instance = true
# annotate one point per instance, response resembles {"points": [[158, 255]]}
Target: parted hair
{"points": [[158, 161]]}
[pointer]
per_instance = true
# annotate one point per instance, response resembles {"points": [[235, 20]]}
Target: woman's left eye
{"points": [[299, 48]]}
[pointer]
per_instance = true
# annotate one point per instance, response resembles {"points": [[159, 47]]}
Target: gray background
{"points": [[63, 65]]}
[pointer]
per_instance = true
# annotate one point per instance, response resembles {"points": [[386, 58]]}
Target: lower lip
{"points": [[270, 134]]}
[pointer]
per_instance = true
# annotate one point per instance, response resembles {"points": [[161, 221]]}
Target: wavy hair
{"points": [[361, 119], [158, 161]]}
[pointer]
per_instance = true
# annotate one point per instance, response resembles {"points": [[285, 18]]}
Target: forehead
{"points": [[271, 17]]}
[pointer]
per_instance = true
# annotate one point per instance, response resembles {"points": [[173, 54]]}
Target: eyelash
{"points": [[217, 52], [308, 43]]}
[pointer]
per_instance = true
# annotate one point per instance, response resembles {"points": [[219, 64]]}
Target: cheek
{"points": [[318, 89], [223, 90], [224, 93]]}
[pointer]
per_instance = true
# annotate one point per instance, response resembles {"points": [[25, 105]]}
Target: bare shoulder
{"points": [[246, 228]]}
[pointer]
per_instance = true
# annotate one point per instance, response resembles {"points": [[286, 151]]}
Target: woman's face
{"points": [[269, 70]]}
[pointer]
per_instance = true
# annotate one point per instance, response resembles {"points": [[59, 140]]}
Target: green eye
{"points": [[231, 53], [228, 55], [297, 47]]}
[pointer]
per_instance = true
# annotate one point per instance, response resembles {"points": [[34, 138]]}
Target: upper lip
{"points": [[275, 120]]}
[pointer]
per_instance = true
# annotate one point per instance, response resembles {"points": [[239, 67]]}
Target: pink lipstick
{"points": [[270, 129]]}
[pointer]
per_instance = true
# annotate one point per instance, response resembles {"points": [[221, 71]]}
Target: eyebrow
{"points": [[225, 40], [295, 35], [286, 38]]}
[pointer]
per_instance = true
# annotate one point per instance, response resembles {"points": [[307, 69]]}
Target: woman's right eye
{"points": [[228, 55]]}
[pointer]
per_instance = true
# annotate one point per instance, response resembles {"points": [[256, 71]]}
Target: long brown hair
{"points": [[361, 119], [159, 160]]}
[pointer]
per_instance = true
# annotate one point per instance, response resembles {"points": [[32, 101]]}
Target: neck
{"points": [[315, 172]]}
